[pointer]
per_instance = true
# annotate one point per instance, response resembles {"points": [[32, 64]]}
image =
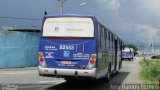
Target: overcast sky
{"points": [[132, 20]]}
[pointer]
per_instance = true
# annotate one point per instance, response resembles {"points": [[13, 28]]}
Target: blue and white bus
{"points": [[128, 53], [76, 46]]}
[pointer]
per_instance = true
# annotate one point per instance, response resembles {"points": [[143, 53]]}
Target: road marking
{"points": [[32, 86], [60, 82], [55, 82], [131, 65], [17, 72]]}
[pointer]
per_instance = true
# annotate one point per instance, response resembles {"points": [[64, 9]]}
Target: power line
{"points": [[23, 18]]}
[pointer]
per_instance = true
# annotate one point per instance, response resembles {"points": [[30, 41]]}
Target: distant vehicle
{"points": [[128, 53], [155, 57], [75, 46]]}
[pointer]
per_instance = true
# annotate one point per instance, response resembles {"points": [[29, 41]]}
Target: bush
{"points": [[150, 69]]}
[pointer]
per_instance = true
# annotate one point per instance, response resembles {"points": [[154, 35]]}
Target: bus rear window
{"points": [[68, 27]]}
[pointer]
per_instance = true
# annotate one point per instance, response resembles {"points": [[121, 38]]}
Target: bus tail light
{"points": [[42, 60], [91, 61]]}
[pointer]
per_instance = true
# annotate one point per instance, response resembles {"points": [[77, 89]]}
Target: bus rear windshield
{"points": [[68, 27]]}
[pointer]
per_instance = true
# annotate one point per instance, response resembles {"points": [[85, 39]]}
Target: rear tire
{"points": [[108, 78], [116, 72]]}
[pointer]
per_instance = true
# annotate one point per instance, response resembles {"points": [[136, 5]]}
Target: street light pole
{"points": [[62, 5]]}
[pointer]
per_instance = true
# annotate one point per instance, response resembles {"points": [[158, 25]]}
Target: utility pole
{"points": [[138, 45], [152, 48], [138, 49], [62, 5]]}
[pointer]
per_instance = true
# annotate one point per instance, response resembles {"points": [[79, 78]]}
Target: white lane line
{"points": [[47, 81], [60, 82], [55, 82], [32, 86], [17, 72]]}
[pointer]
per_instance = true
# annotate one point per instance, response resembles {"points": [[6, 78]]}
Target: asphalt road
{"points": [[28, 79]]}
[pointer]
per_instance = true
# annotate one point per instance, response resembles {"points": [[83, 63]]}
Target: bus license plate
{"points": [[66, 62]]}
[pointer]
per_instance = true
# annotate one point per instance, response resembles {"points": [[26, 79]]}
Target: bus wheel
{"points": [[116, 72], [120, 64], [108, 78]]}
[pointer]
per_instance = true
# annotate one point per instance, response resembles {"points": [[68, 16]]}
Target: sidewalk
{"points": [[134, 77]]}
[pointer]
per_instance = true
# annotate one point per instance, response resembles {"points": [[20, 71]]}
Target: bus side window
{"points": [[106, 42], [112, 41], [118, 45], [109, 39], [99, 36], [103, 39]]}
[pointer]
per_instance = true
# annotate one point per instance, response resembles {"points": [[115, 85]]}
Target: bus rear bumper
{"points": [[66, 72]]}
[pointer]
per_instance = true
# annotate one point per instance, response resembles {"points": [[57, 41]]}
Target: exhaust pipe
{"points": [[76, 73], [55, 72]]}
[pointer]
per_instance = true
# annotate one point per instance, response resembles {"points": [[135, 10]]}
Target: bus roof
{"points": [[69, 15], [80, 15], [128, 50]]}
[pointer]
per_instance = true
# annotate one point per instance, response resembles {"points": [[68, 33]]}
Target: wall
{"points": [[19, 48]]}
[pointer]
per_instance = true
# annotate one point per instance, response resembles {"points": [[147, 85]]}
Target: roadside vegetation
{"points": [[150, 71]]}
